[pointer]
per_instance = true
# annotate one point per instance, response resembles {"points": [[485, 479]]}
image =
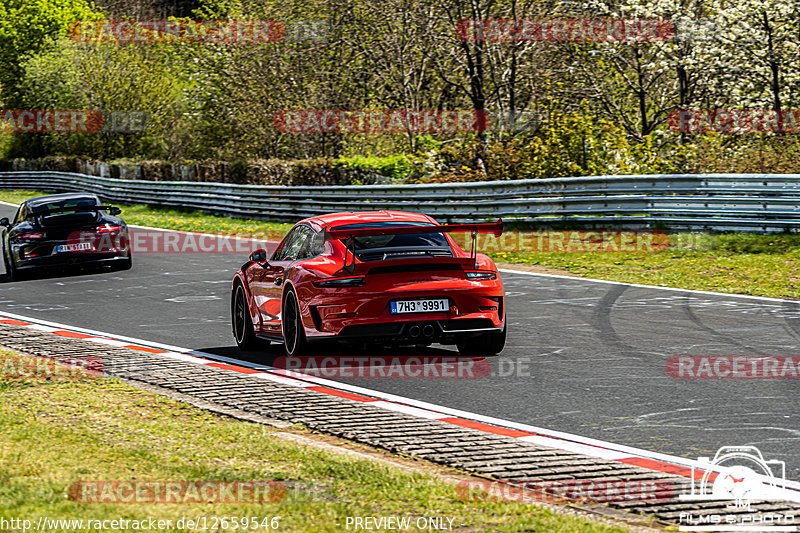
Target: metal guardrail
{"points": [[726, 202]]}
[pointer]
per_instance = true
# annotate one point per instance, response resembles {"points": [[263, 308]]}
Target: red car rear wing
{"points": [[347, 235], [486, 227]]}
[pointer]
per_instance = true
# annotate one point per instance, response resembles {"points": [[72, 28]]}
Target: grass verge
{"points": [[55, 432], [761, 265]]}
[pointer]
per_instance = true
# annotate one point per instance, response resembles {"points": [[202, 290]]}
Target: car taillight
{"points": [[31, 236], [480, 274], [108, 228], [349, 281]]}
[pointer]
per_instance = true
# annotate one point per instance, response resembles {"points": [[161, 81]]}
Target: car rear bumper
{"points": [[69, 259], [473, 310], [421, 331], [41, 254]]}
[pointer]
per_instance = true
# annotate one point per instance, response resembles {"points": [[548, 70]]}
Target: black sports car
{"points": [[64, 229]]}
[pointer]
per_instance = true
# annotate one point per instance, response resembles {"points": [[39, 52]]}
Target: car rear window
{"points": [[420, 240], [77, 203]]}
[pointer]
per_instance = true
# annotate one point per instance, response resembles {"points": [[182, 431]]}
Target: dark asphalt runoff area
{"points": [[582, 357]]}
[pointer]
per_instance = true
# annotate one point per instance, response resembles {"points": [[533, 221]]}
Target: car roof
{"points": [[333, 220], [40, 200]]}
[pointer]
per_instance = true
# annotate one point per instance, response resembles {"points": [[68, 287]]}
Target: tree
{"points": [[28, 27]]}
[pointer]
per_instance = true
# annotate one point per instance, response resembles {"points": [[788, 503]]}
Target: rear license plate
{"points": [[75, 247], [420, 306]]}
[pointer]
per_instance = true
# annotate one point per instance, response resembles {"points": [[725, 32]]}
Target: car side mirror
{"points": [[4, 222], [258, 256], [114, 211]]}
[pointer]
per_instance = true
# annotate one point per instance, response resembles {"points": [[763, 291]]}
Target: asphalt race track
{"points": [[583, 357]]}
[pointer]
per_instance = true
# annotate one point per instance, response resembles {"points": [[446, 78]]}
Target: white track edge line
{"points": [[513, 271], [681, 461], [593, 280], [172, 230]]}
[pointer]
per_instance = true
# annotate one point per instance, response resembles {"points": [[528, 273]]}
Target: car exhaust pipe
{"points": [[414, 331], [427, 330]]}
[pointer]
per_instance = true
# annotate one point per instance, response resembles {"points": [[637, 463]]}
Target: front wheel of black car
{"points": [[294, 336], [241, 322], [490, 343]]}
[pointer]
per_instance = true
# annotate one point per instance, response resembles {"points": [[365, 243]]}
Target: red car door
{"points": [[267, 279]]}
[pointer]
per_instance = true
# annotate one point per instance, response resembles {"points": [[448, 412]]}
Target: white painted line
{"points": [[186, 358], [110, 342], [405, 409], [583, 449], [559, 436], [420, 408], [512, 271], [282, 379], [674, 289], [130, 340], [39, 327]]}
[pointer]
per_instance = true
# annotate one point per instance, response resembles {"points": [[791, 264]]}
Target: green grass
{"points": [[762, 265], [56, 432]]}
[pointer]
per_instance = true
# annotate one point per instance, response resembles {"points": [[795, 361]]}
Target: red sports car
{"points": [[387, 277]]}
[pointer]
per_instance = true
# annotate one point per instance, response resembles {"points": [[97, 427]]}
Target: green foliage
{"points": [[67, 75], [603, 106], [742, 153], [567, 145], [28, 27], [393, 166]]}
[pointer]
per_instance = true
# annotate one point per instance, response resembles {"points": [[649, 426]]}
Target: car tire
{"points": [[294, 336], [241, 322], [11, 272], [490, 343], [127, 263]]}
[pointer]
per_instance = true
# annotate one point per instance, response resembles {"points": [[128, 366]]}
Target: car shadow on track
{"points": [[337, 361], [272, 353], [62, 272]]}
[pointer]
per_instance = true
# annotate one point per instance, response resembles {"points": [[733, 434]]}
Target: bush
{"points": [[567, 145], [395, 167], [746, 154]]}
